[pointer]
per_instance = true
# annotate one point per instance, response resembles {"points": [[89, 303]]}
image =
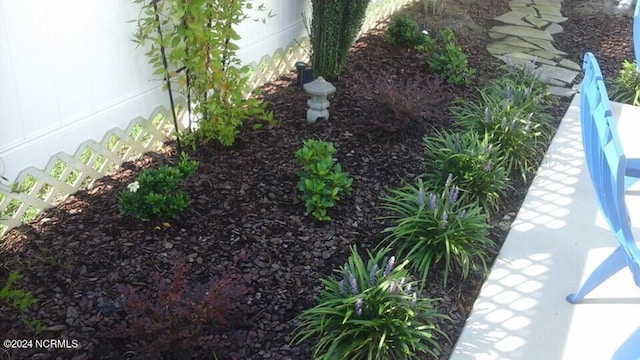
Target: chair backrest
{"points": [[636, 33], [606, 160], [592, 106]]}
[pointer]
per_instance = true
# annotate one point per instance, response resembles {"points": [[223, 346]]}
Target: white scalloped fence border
{"points": [[66, 174]]}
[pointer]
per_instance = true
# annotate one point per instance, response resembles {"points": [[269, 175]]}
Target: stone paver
{"points": [[529, 57], [519, 42], [553, 28], [511, 18], [546, 45], [523, 32], [536, 21], [546, 55], [499, 48], [548, 10], [568, 64], [555, 19], [524, 37], [559, 73]]}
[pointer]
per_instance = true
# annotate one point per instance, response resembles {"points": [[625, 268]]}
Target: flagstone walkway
{"points": [[526, 36]]}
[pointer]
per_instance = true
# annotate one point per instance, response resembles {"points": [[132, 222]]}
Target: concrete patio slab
{"points": [[556, 240]]}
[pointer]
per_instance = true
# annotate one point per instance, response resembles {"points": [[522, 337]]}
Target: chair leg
{"points": [[611, 265], [629, 181]]}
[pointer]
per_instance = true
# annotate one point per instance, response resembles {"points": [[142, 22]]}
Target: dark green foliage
{"points": [[334, 26], [370, 310], [156, 193], [626, 87], [322, 181], [405, 32], [432, 227], [448, 60], [477, 168]]}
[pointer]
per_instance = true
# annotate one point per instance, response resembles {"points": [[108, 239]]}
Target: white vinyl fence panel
{"points": [[70, 72]]}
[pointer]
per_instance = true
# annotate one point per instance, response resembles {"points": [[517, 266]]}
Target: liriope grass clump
{"points": [[371, 309], [432, 226], [476, 166], [512, 113]]}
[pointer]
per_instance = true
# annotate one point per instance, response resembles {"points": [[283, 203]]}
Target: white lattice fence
{"points": [[38, 189]]}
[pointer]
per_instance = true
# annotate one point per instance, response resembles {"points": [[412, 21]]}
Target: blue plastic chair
{"points": [[607, 166], [590, 95], [636, 33]]}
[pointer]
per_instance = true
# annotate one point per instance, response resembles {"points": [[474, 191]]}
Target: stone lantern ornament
{"points": [[319, 89]]}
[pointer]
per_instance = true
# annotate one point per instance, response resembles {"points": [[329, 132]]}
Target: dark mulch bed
{"points": [[247, 218]]}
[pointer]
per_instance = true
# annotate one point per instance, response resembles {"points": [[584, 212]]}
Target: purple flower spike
{"points": [[462, 214], [372, 274], [407, 288], [487, 166], [449, 180], [389, 267], [414, 300], [444, 222], [353, 285], [453, 194], [392, 287], [359, 303], [507, 93], [420, 196], [432, 202], [342, 286]]}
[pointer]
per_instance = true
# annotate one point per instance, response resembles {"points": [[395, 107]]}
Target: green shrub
{"points": [[476, 167], [322, 181], [435, 227], [334, 26], [193, 46], [403, 31], [626, 87], [17, 298], [156, 194], [448, 60], [221, 121], [370, 311]]}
